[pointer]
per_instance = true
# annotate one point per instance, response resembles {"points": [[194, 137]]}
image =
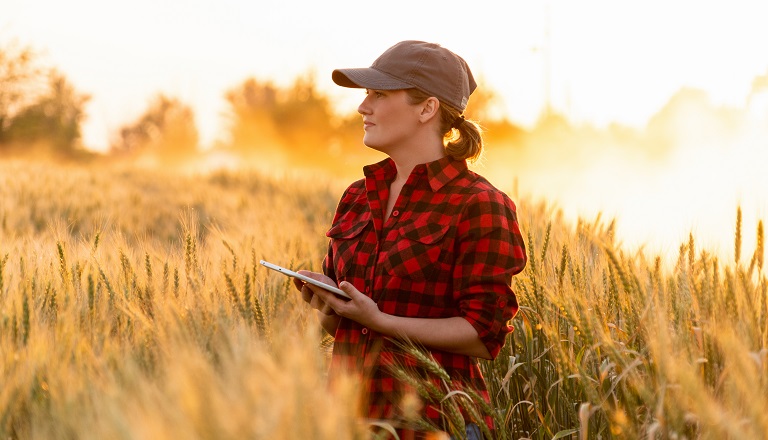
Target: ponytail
{"points": [[463, 138]]}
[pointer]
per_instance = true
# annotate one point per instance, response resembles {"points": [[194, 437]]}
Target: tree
{"points": [[304, 118], [38, 106], [19, 76], [251, 123], [52, 120], [297, 120], [167, 128]]}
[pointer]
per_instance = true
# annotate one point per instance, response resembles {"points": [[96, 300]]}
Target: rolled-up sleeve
{"points": [[490, 251]]}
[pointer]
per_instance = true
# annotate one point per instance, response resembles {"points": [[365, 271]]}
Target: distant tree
{"points": [[38, 106], [252, 107], [166, 128], [17, 74], [304, 117], [297, 119], [53, 119]]}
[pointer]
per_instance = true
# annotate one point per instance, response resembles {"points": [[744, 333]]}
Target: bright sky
{"points": [[609, 60], [597, 60]]}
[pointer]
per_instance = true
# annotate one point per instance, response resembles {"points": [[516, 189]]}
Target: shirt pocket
{"points": [[346, 235], [416, 254]]}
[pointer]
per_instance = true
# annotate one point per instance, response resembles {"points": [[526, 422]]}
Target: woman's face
{"points": [[389, 119]]}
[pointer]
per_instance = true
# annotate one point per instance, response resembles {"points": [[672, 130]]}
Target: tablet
{"points": [[306, 279]]}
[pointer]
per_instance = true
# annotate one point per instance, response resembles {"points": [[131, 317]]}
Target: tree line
{"points": [[40, 110]]}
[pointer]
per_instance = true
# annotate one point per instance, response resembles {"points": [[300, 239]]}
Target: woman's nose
{"points": [[363, 108]]}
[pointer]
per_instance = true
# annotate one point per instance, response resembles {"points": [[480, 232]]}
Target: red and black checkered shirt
{"points": [[449, 248]]}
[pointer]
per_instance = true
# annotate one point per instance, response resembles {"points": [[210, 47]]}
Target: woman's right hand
{"points": [[308, 295]]}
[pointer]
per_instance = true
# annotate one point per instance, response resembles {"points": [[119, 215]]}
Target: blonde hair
{"points": [[464, 141]]}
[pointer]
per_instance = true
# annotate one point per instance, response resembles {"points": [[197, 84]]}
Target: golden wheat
{"points": [[132, 306]]}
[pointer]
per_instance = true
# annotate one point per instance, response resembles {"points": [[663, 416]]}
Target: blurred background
{"points": [[654, 113]]}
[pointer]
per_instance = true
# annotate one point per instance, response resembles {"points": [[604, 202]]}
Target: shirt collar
{"points": [[442, 171], [439, 172], [381, 170]]}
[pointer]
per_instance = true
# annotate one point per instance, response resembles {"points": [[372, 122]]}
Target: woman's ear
{"points": [[429, 109]]}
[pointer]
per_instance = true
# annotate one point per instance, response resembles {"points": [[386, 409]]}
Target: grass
{"points": [[132, 306]]}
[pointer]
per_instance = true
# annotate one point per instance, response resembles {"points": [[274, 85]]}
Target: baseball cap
{"points": [[411, 64]]}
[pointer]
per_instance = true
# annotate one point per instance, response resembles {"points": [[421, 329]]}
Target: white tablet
{"points": [[309, 280]]}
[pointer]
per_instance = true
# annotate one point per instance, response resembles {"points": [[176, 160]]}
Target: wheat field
{"points": [[132, 306]]}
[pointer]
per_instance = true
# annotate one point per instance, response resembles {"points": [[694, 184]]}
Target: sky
{"points": [[596, 61]]}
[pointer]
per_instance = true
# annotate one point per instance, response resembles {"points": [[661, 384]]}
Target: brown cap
{"points": [[428, 67]]}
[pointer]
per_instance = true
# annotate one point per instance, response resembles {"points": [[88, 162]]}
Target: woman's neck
{"points": [[407, 159]]}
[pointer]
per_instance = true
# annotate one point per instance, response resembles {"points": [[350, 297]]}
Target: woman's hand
{"points": [[328, 318], [308, 294], [359, 308]]}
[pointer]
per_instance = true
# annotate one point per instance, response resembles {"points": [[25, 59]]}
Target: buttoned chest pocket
{"points": [[346, 238], [420, 253]]}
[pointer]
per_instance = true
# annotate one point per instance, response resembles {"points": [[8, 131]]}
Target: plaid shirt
{"points": [[449, 248]]}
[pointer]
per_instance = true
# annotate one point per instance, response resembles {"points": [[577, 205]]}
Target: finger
{"points": [[306, 294], [323, 294], [317, 276], [298, 284], [337, 304], [320, 305], [308, 274], [349, 289], [316, 302], [327, 310]]}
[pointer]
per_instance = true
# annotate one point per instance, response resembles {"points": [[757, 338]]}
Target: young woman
{"points": [[425, 248]]}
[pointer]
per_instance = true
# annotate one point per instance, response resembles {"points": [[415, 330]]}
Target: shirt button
{"points": [[365, 331], [395, 213], [502, 303]]}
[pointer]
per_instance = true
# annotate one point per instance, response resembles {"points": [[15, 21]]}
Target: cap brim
{"points": [[368, 78]]}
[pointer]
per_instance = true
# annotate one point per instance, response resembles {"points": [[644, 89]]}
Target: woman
{"points": [[425, 248]]}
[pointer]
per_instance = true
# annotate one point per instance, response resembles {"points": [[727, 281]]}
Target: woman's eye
{"points": [[375, 93]]}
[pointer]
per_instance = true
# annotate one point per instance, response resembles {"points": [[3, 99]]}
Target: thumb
{"points": [[349, 289]]}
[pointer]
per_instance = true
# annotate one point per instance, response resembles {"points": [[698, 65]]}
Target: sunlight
{"points": [[687, 172]]}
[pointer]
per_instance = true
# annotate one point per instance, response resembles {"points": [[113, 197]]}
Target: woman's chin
{"points": [[371, 144]]}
